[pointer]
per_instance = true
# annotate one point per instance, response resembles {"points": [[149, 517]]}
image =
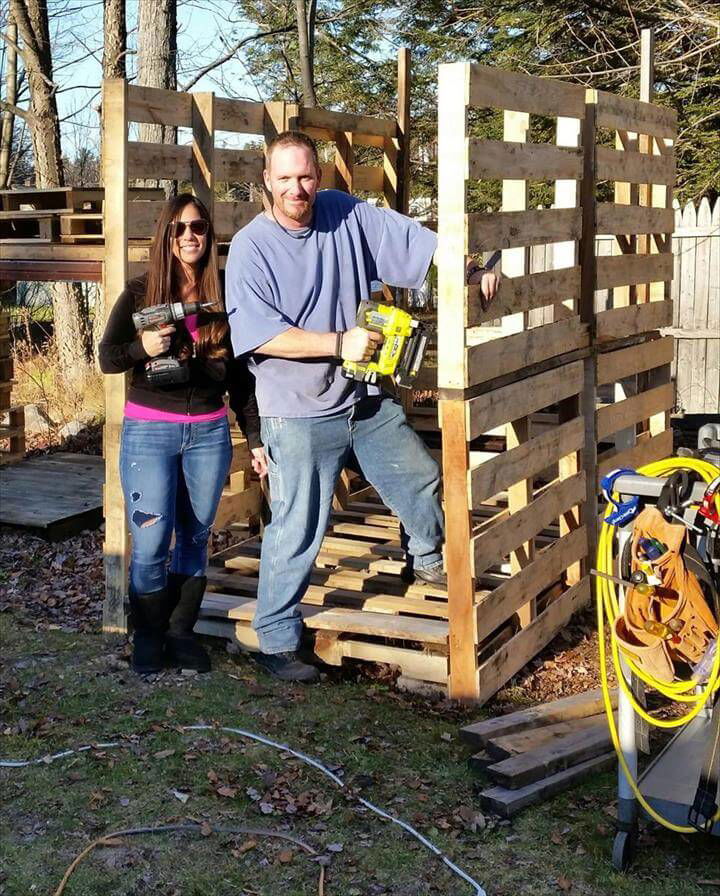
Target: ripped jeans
{"points": [[172, 477]]}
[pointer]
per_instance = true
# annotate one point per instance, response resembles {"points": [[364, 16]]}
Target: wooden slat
{"points": [[492, 359], [506, 230], [632, 410], [524, 397], [578, 706], [498, 605], [645, 452], [613, 218], [159, 160], [524, 293], [343, 121], [499, 748], [368, 178], [497, 541], [629, 269], [233, 216], [503, 159], [142, 217], [239, 166], [525, 461], [619, 322], [520, 649], [239, 116], [612, 366], [634, 167], [153, 105], [625, 114], [498, 89]]}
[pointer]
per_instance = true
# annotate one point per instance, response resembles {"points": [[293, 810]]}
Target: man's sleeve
{"points": [[402, 248], [253, 317]]}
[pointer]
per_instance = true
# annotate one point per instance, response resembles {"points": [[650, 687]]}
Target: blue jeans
{"points": [[305, 458], [172, 477]]}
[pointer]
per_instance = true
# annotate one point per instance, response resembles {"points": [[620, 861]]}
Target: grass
{"points": [[62, 690]]}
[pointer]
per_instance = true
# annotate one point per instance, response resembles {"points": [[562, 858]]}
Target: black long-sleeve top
{"points": [[121, 350]]}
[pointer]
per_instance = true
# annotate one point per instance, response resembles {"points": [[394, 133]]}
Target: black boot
{"points": [[288, 666], [149, 614], [181, 646]]}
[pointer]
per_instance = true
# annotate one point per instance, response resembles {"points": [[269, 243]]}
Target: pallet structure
{"points": [[521, 521], [12, 430]]}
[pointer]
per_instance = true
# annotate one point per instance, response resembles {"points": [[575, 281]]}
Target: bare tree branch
{"points": [[16, 110]]}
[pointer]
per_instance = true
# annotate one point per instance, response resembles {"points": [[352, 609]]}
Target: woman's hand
{"points": [[157, 342], [259, 461]]}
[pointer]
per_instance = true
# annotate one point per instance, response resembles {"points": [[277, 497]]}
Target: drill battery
{"points": [[402, 351]]}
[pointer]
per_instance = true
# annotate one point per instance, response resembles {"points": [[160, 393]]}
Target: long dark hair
{"points": [[163, 282]]}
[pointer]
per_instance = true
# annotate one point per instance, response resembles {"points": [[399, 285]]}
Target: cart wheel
{"points": [[623, 850]]}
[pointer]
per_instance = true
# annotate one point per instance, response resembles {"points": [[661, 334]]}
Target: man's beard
{"points": [[295, 211]]}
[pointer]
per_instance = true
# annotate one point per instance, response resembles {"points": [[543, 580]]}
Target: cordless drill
{"points": [[166, 370]]}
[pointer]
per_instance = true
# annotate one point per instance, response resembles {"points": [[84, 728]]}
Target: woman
{"points": [[175, 450]]}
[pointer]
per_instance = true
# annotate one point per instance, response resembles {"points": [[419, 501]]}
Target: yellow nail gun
{"points": [[402, 351]]}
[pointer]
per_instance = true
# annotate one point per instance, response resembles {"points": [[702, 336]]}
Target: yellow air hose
{"points": [[608, 609]]}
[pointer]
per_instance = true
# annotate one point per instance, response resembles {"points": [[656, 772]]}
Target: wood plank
{"points": [[524, 293], [614, 417], [239, 116], [645, 452], [153, 105], [496, 542], [566, 709], [498, 605], [633, 319], [541, 763], [519, 399], [525, 461], [633, 269], [158, 160], [496, 357], [499, 89], [612, 366], [503, 159], [458, 561], [239, 506], [503, 747], [634, 167], [233, 216], [625, 114], [410, 628], [610, 217], [412, 663], [368, 178], [203, 149], [239, 166], [488, 231], [344, 121], [507, 803], [500, 668]]}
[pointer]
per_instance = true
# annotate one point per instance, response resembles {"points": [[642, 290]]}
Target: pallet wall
{"points": [[521, 498], [12, 430]]}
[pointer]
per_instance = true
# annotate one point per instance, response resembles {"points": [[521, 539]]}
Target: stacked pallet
{"points": [[241, 498], [12, 419], [533, 754]]}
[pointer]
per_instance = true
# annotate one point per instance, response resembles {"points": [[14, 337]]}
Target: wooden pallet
{"points": [[241, 498], [12, 435], [532, 754], [356, 607]]}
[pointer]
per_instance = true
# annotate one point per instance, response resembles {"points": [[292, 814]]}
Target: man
{"points": [[295, 276]]}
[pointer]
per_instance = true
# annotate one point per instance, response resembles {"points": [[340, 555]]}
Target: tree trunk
{"points": [[157, 67], [306, 62], [71, 329], [8, 119]]}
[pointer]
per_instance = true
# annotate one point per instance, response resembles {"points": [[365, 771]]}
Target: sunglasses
{"points": [[198, 226]]}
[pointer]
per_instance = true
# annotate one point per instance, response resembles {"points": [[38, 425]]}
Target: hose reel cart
{"points": [[657, 585]]}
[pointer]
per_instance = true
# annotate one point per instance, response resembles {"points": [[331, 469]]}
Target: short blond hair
{"points": [[291, 138]]}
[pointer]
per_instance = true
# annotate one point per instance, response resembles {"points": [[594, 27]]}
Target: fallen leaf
{"points": [[206, 829], [179, 795], [163, 754], [266, 808], [335, 847], [564, 883], [285, 856], [244, 847], [226, 791], [556, 838]]}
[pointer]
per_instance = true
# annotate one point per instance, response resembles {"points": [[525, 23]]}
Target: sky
{"points": [[76, 37]]}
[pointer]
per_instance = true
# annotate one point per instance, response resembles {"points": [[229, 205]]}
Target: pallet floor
{"points": [[357, 605]]}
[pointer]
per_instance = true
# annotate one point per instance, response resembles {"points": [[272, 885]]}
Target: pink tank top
{"points": [[135, 411]]}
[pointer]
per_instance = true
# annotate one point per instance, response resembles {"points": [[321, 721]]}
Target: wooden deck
{"points": [[55, 496]]}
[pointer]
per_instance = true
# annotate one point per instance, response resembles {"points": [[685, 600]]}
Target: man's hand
{"points": [[360, 344], [259, 461], [155, 342], [489, 281]]}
